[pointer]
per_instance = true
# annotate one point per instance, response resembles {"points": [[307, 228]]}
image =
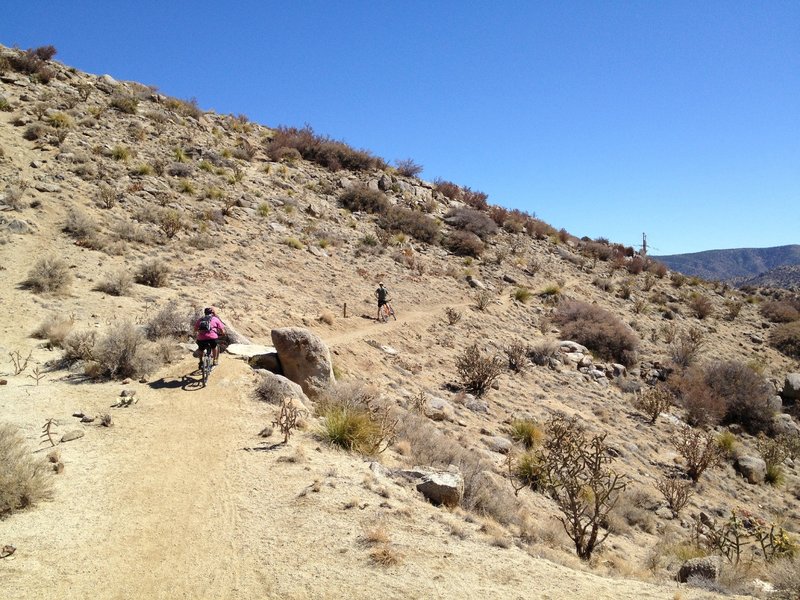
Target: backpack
{"points": [[205, 324]]}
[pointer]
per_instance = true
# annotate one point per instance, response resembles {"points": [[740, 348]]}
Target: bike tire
{"points": [[206, 370]]}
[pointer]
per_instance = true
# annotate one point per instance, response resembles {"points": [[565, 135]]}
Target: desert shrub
{"points": [[186, 108], [49, 274], [654, 401], [726, 440], [785, 576], [355, 419], [324, 151], [447, 188], [170, 222], [632, 509], [154, 273], [12, 197], [37, 131], [598, 330], [703, 406], [604, 283], [464, 243], [284, 154], [452, 315], [477, 371], [412, 222], [54, 329], [408, 168], [24, 478], [746, 394], [685, 347], [700, 306], [527, 469], [121, 352], [579, 480], [779, 311], [293, 242], [474, 221], [635, 265], [786, 339], [774, 452], [517, 354], [169, 322], [124, 103], [542, 352], [78, 346], [80, 225], [677, 279], [483, 299], [699, 450], [118, 283], [475, 199], [732, 309], [677, 492], [364, 199], [270, 390]]}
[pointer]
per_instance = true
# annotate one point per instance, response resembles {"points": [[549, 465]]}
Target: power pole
{"points": [[644, 244]]}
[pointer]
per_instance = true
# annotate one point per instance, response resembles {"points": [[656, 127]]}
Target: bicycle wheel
{"points": [[207, 361], [391, 312]]}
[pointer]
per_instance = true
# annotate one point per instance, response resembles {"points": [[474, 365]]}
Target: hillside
{"points": [[736, 263], [786, 277], [145, 207]]}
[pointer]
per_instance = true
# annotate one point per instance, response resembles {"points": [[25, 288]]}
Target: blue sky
{"points": [[610, 118]]}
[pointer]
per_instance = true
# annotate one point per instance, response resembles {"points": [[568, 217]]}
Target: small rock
{"points": [[499, 444], [703, 568], [752, 468], [72, 435], [42, 186], [86, 419], [3, 381], [477, 406], [475, 283], [127, 393]]}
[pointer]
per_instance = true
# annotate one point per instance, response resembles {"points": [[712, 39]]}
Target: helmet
{"points": [[209, 310], [381, 284]]}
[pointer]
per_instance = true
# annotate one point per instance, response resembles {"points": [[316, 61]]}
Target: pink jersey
{"points": [[216, 324]]}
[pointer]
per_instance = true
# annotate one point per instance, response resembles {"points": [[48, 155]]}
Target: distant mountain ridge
{"points": [[740, 264]]}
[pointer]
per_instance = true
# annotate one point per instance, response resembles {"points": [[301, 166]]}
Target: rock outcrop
{"points": [[304, 358]]}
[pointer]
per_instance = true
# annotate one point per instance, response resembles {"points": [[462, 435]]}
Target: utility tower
{"points": [[644, 244]]}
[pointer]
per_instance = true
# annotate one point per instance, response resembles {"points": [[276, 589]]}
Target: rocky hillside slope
{"points": [[740, 264], [122, 208]]}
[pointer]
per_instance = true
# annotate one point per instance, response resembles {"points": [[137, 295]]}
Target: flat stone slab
{"points": [[249, 350]]}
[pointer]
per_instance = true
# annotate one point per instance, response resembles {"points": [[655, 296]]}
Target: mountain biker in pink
{"points": [[209, 329]]}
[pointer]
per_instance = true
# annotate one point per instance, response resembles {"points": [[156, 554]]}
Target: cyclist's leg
{"points": [[215, 351], [202, 344]]}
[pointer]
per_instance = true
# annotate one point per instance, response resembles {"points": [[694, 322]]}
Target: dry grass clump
{"points": [[408, 168], [122, 352], [54, 329], [24, 479], [154, 273], [477, 371], [49, 274], [542, 352], [527, 432], [271, 390], [700, 305], [598, 330], [355, 418], [517, 354], [118, 283]]}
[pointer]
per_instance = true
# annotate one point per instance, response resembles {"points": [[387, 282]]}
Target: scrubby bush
{"points": [[474, 221], [542, 352], [154, 273], [704, 407], [700, 305], [118, 283], [122, 352], [517, 354], [598, 330], [412, 222], [24, 478], [79, 346], [364, 199], [654, 401], [447, 188], [464, 243], [527, 432], [324, 151], [779, 311], [685, 347], [38, 131], [677, 492], [475, 199], [786, 339], [169, 322], [746, 394], [477, 371], [54, 329], [124, 103], [49, 274], [699, 450], [408, 168]]}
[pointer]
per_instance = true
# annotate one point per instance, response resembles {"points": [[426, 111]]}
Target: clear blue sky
{"points": [[607, 118]]}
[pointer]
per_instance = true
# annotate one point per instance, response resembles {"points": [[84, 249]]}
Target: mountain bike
{"points": [[386, 312], [207, 364]]}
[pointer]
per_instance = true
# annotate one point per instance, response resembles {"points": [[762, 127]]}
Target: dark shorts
{"points": [[381, 303], [203, 344]]}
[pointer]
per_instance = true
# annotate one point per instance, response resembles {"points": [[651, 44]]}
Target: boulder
{"points": [[268, 361], [477, 406], [72, 435], [475, 283], [439, 409], [570, 346], [752, 468], [783, 424], [304, 358], [442, 487], [791, 387], [279, 388], [249, 350], [18, 226], [499, 444], [705, 568]]}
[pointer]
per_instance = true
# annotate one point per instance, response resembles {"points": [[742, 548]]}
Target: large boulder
{"points": [[752, 468], [783, 424], [791, 388], [700, 570], [442, 487], [304, 358], [275, 388]]}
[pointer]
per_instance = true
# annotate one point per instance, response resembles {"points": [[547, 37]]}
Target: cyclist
{"points": [[382, 294], [208, 330]]}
